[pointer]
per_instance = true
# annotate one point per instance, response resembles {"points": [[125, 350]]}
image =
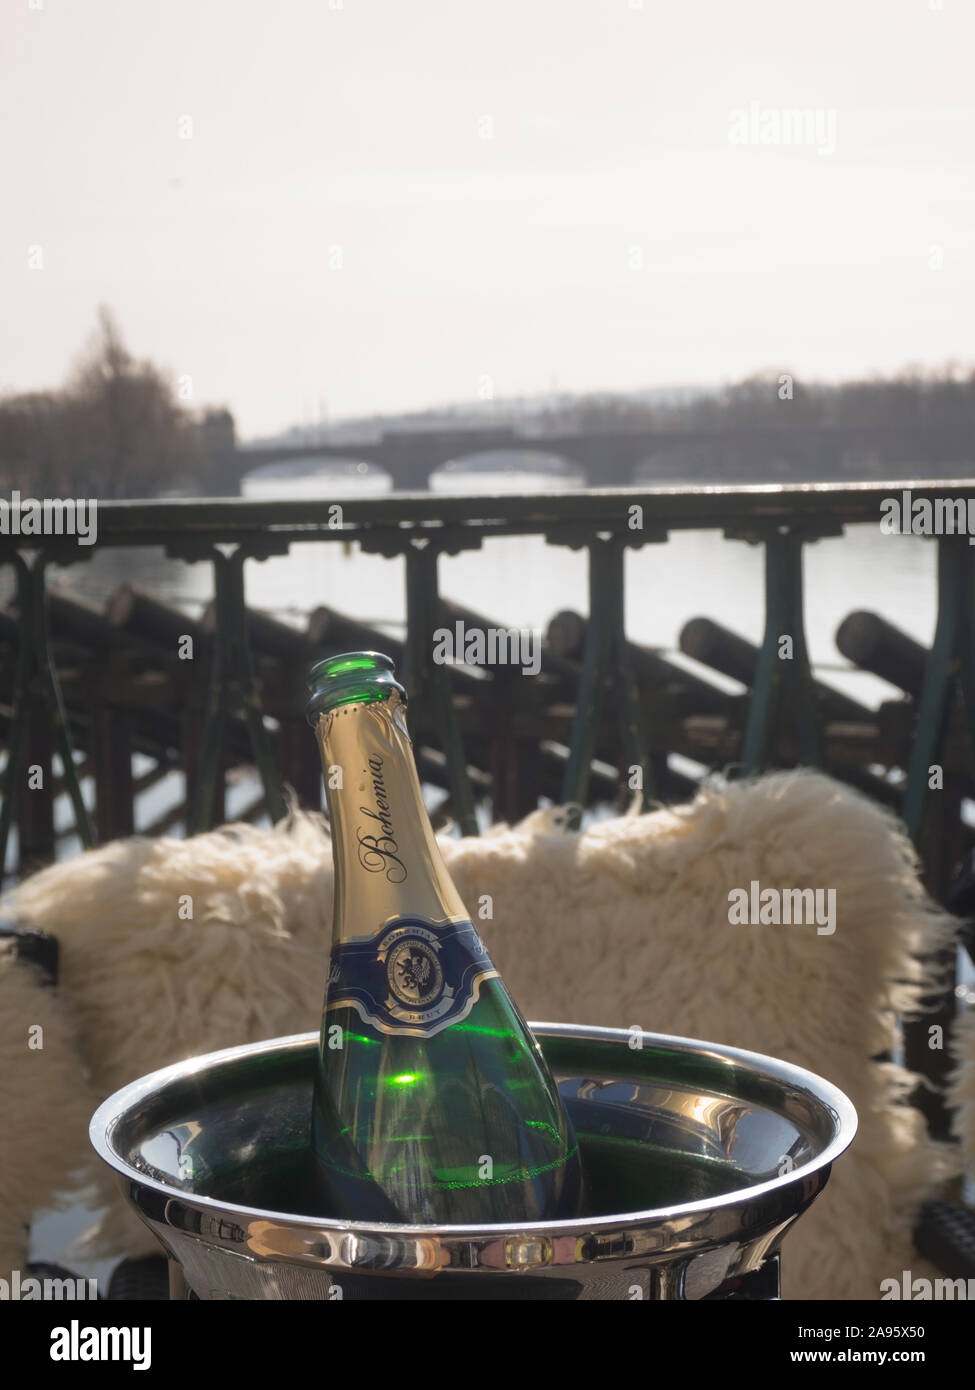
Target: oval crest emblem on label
{"points": [[413, 976], [413, 973]]}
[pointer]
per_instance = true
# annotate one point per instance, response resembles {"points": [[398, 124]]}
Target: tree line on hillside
{"points": [[117, 428], [944, 396]]}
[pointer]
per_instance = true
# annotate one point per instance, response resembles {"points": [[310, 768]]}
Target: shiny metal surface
{"points": [[701, 1157]]}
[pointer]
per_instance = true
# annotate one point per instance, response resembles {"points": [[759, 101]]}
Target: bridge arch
{"points": [[315, 476], [515, 459]]}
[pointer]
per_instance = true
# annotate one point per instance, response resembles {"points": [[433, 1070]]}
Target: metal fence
{"points": [[419, 528]]}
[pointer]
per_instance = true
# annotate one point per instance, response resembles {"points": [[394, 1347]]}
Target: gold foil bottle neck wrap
{"points": [[387, 861]]}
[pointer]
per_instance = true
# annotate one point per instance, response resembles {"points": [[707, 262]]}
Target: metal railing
{"points": [[418, 529]]}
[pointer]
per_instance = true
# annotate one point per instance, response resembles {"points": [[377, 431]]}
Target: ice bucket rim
{"points": [[829, 1097]]}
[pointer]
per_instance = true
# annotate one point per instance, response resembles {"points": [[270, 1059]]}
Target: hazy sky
{"points": [[385, 204]]}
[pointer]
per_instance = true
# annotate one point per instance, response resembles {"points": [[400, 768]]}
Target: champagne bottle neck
{"points": [[387, 861]]}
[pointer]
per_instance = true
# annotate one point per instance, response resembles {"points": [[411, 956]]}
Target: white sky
{"points": [[463, 258]]}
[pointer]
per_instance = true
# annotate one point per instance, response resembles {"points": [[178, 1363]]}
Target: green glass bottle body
{"points": [[432, 1100]]}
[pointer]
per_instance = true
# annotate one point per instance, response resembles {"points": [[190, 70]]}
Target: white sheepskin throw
{"points": [[625, 923], [45, 1103]]}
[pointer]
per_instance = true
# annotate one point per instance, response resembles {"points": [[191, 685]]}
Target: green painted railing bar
{"points": [[200, 811], [782, 676], [421, 590], [606, 666], [22, 674], [952, 657], [626, 694], [204, 522], [232, 673], [950, 664], [248, 690], [430, 680], [35, 673], [51, 691], [592, 682]]}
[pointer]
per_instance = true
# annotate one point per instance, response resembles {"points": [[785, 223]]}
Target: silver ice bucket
{"points": [[699, 1158]]}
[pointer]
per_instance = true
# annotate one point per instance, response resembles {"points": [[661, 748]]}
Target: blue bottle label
{"points": [[413, 976]]}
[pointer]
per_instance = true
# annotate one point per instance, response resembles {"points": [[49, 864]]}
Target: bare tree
{"points": [[129, 434], [116, 429], [34, 444]]}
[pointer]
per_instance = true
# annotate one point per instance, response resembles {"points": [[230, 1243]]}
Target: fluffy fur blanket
{"points": [[626, 923], [45, 1103]]}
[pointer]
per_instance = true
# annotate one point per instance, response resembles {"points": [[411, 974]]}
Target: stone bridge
{"points": [[617, 459]]}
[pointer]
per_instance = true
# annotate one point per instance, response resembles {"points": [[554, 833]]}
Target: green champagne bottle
{"points": [[432, 1100]]}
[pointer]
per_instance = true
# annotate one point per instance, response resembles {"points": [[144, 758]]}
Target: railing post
{"points": [[12, 790], [111, 756], [777, 675], [427, 680], [35, 823], [515, 759], [605, 662], [950, 664], [200, 798], [629, 716], [249, 693], [51, 694], [951, 656], [232, 675], [421, 614], [592, 682], [46, 727]]}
